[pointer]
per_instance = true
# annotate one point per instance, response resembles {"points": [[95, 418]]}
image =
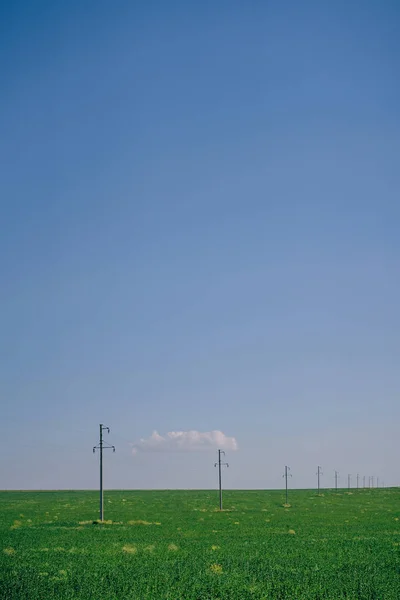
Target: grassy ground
{"points": [[174, 545]]}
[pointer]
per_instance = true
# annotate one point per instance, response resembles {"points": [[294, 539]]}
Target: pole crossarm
{"points": [[105, 447]]}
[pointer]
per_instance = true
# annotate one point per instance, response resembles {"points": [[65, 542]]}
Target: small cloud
{"points": [[185, 441]]}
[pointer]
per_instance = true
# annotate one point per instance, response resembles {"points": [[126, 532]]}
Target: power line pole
{"points": [[220, 464], [348, 481], [102, 446], [286, 475], [336, 479], [364, 481], [358, 477], [319, 473]]}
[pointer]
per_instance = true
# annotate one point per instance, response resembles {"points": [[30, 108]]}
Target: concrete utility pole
{"points": [[336, 479], [348, 481], [220, 464], [286, 475], [319, 473], [358, 477], [364, 481], [102, 446]]}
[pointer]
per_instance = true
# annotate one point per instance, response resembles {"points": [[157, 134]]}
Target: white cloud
{"points": [[185, 441]]}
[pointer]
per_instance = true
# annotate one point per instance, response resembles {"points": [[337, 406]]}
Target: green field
{"points": [[176, 545]]}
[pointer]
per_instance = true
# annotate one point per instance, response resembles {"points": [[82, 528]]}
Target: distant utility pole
{"points": [[348, 480], [102, 446], [336, 479], [319, 473], [220, 464], [286, 475], [358, 477], [364, 481]]}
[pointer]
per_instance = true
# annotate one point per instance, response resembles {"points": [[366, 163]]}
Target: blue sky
{"points": [[199, 231]]}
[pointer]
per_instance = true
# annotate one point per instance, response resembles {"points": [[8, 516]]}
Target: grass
{"points": [[175, 545]]}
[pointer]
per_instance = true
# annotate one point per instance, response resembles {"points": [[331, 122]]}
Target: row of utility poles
{"points": [[104, 446], [371, 480]]}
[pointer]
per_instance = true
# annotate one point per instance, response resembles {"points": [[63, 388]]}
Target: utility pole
{"points": [[102, 446], [319, 473], [364, 481], [348, 481], [220, 464], [358, 477], [286, 475], [336, 479]]}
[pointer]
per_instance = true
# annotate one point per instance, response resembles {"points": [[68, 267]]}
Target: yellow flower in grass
{"points": [[9, 551], [215, 547], [129, 549], [173, 548], [292, 532], [216, 568]]}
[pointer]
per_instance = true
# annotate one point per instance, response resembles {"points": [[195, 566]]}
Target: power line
{"points": [[102, 446], [286, 475], [220, 464]]}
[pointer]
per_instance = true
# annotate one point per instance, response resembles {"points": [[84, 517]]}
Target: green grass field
{"points": [[176, 545]]}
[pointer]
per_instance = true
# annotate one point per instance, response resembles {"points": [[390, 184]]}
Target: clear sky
{"points": [[200, 231]]}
